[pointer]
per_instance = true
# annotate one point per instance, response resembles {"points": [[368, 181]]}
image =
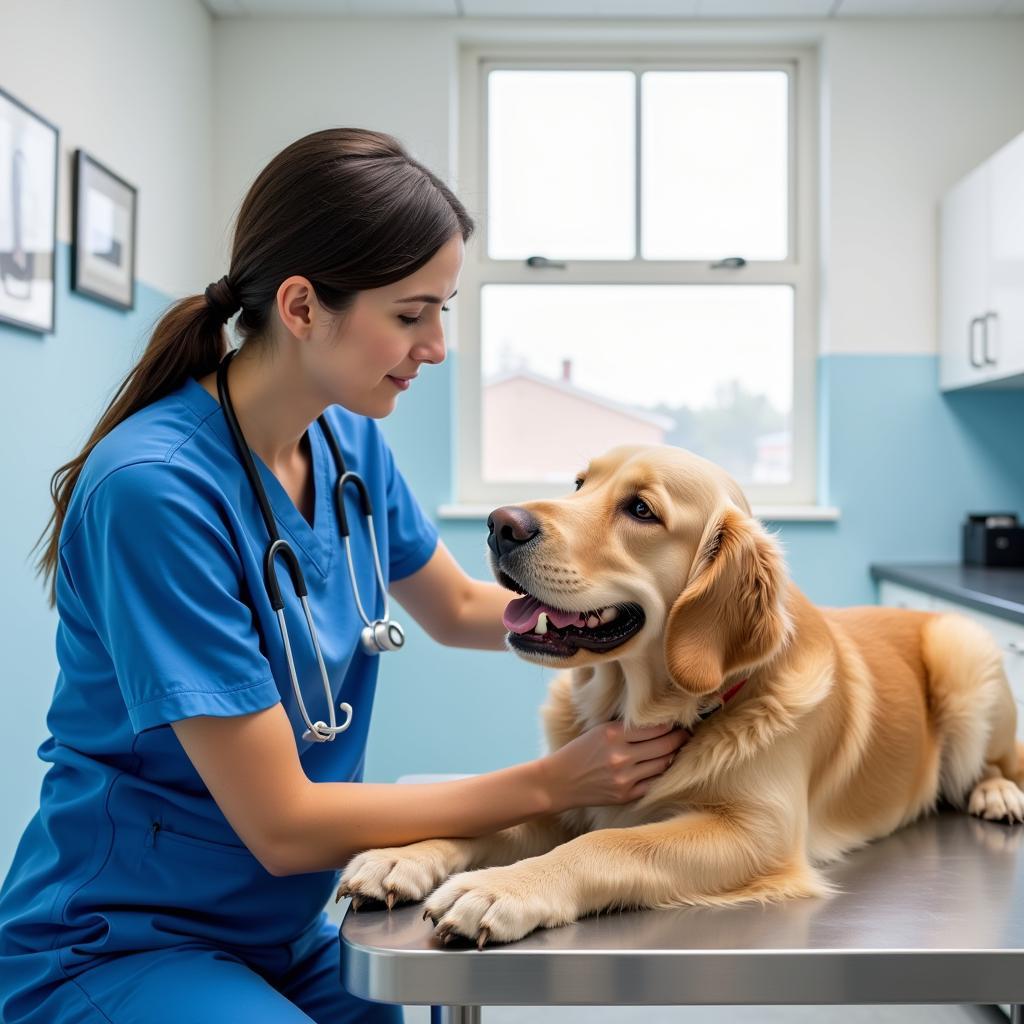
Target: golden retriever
{"points": [[850, 723]]}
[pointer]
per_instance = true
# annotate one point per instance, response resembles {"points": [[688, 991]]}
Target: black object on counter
{"points": [[993, 538]]}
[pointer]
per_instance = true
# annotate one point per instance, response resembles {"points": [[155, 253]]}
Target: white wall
{"points": [[909, 106], [914, 106], [277, 80], [129, 82]]}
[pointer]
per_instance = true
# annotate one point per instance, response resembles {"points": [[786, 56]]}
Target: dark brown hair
{"points": [[347, 208]]}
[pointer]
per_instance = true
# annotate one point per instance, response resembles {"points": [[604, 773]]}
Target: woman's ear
{"points": [[731, 613]]}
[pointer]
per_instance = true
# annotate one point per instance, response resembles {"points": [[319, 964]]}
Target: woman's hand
{"points": [[609, 764]]}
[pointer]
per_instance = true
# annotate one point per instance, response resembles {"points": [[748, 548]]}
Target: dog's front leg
{"points": [[698, 857], [400, 874]]}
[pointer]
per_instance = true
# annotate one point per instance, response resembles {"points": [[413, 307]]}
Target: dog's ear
{"points": [[731, 612]]}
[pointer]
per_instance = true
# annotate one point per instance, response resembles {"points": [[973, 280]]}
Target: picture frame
{"points": [[29, 148], [103, 233]]}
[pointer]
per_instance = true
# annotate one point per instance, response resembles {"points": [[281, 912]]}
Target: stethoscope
{"points": [[376, 636]]}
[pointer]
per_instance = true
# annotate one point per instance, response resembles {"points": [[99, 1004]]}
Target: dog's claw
{"points": [[426, 914], [482, 936], [342, 891], [357, 902], [390, 899]]}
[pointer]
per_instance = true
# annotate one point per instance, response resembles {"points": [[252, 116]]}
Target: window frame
{"points": [[799, 269]]}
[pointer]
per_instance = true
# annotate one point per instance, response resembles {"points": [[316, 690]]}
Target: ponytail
{"points": [[188, 342]]}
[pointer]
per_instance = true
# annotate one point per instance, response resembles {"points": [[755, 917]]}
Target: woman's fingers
{"points": [[638, 733], [666, 743], [652, 768]]}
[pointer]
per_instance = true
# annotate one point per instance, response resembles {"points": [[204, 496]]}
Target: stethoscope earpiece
{"points": [[375, 637]]}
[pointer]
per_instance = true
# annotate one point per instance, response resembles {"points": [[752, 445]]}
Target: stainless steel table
{"points": [[931, 914]]}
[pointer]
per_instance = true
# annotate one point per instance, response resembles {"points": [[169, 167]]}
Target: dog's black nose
{"points": [[509, 527]]}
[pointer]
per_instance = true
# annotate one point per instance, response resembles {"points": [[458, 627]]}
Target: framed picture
{"points": [[28, 216], [103, 234]]}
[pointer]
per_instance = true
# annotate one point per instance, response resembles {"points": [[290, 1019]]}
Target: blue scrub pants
{"points": [[198, 984]]}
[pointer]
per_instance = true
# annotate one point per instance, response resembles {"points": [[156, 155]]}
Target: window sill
{"points": [[769, 513]]}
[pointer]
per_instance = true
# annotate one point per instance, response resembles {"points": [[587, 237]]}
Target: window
{"points": [[644, 269]]}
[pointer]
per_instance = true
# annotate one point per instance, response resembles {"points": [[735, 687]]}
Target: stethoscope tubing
{"points": [[377, 636]]}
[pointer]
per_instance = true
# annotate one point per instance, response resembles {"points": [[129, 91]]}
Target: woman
{"points": [[190, 827]]}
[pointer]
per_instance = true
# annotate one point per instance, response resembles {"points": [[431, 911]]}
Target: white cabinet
{"points": [[1009, 635], [981, 275], [963, 279], [896, 595], [1006, 263]]}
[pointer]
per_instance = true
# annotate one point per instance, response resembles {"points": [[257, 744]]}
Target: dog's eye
{"points": [[639, 509], [579, 482]]}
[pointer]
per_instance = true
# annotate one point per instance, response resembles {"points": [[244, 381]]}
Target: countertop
{"points": [[998, 591]]}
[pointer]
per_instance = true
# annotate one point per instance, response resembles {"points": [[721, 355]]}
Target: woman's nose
{"points": [[433, 351]]}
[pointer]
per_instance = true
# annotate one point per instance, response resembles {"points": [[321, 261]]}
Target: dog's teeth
{"points": [[542, 624], [593, 621], [609, 613]]}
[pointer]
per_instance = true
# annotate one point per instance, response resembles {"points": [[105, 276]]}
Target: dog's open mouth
{"points": [[537, 627]]}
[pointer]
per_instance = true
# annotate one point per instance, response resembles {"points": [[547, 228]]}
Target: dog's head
{"points": [[655, 556]]}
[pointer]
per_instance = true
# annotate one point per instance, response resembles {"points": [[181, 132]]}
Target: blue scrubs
{"points": [[130, 897]]}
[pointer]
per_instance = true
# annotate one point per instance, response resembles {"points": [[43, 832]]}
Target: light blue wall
{"points": [[52, 390], [903, 464]]}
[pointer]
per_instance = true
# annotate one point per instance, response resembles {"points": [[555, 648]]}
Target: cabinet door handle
{"points": [[991, 356], [972, 350]]}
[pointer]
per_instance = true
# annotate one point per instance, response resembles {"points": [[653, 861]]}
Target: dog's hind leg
{"points": [[975, 719], [997, 794]]}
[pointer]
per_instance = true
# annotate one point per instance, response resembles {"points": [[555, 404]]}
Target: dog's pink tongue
{"points": [[521, 615]]}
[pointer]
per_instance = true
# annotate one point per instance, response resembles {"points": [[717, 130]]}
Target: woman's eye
{"points": [[639, 509], [416, 319]]}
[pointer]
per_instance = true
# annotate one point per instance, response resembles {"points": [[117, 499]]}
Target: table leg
{"points": [[458, 1015], [1017, 1013]]}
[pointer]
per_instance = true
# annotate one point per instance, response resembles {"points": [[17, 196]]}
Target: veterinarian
{"points": [[202, 793]]}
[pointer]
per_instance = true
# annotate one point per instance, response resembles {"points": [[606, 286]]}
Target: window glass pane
{"points": [[572, 370], [561, 156], [715, 163]]}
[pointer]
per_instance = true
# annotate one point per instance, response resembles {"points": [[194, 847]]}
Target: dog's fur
{"points": [[852, 721]]}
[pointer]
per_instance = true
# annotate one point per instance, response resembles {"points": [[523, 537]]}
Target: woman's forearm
{"points": [[479, 624], [336, 820]]}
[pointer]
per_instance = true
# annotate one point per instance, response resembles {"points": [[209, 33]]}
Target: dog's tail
{"points": [[974, 713]]}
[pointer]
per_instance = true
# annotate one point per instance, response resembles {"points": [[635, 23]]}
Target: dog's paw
{"points": [[496, 905], [997, 800], [397, 874]]}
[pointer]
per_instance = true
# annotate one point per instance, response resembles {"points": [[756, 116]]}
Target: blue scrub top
{"points": [[163, 616]]}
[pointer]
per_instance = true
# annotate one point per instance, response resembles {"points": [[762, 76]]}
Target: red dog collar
{"points": [[728, 695]]}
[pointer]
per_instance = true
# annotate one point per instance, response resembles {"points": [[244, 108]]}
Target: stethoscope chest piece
{"points": [[381, 636]]}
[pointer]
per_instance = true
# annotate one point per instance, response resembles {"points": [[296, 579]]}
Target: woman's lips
{"points": [[402, 383]]}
